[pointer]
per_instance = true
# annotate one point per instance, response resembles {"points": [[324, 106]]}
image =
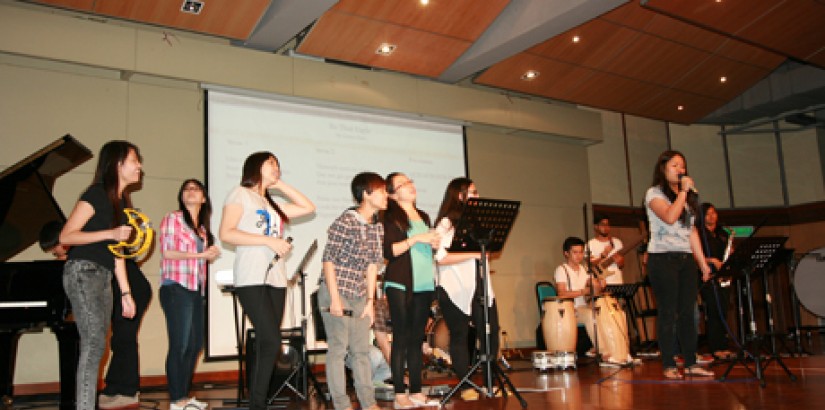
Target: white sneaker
{"points": [[197, 403]]}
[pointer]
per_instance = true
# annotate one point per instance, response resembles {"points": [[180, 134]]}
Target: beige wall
{"points": [[100, 81]]}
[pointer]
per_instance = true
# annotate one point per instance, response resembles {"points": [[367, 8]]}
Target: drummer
{"points": [[573, 282]]}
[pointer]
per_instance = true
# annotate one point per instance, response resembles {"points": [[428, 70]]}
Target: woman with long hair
{"points": [[674, 246], [459, 286], [187, 244], [254, 224], [715, 296], [409, 283], [96, 221]]}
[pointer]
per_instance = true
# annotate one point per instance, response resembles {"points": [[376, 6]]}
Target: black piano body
{"points": [[31, 292]]}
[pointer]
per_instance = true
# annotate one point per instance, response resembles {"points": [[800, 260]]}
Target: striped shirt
{"points": [[176, 235], [352, 245]]}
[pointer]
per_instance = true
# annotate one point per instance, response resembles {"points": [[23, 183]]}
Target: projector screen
{"points": [[320, 150]]}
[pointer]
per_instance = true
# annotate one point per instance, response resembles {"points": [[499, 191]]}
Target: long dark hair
{"points": [[452, 203], [204, 214], [112, 154], [718, 230], [394, 213], [252, 176], [660, 181]]}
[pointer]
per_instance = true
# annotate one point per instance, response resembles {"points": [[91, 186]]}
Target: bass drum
{"points": [[809, 281]]}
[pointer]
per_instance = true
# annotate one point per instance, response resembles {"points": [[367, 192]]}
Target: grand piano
{"points": [[31, 292]]}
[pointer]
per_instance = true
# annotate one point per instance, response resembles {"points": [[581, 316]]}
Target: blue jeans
{"points": [[183, 309], [89, 288], [673, 277]]}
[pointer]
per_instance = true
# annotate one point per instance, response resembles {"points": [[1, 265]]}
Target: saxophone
{"points": [[728, 248]]}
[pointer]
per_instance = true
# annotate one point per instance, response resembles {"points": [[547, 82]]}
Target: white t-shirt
{"points": [[458, 279], [251, 262], [596, 248], [665, 237], [577, 280]]}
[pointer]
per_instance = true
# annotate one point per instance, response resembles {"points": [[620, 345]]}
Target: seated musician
{"points": [[604, 250], [573, 282]]}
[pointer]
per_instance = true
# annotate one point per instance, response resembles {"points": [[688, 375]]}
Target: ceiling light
{"points": [[385, 49], [425, 2], [723, 79], [576, 39], [680, 107], [530, 75], [191, 6]]}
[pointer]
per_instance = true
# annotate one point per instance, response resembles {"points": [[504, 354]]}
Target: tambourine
{"points": [[143, 236]]}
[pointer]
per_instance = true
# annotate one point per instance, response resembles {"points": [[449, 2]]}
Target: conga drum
{"points": [[559, 324], [612, 324]]}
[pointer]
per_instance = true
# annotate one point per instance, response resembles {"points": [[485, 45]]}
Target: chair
{"points": [[544, 289]]}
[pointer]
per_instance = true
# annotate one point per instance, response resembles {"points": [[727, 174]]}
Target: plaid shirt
{"points": [[352, 245], [176, 235]]}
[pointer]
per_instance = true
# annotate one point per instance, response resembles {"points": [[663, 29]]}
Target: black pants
{"points": [[409, 320], [715, 329], [673, 277], [459, 325], [265, 307], [123, 375]]}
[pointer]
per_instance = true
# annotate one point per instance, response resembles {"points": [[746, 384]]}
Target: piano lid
{"points": [[26, 201]]}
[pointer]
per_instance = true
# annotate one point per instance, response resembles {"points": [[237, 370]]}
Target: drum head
{"points": [[809, 281]]}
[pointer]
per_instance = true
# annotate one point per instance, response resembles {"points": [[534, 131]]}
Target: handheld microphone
{"points": [[346, 312], [690, 188], [275, 259]]}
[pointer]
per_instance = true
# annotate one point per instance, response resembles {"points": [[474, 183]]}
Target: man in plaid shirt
{"points": [[346, 296]]}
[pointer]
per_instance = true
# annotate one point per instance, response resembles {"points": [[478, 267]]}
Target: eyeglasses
{"points": [[402, 185]]}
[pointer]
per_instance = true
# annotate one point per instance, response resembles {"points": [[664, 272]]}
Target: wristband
{"points": [[125, 294]]}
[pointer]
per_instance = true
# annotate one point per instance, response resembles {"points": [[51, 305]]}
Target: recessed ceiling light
{"points": [[530, 75], [680, 107], [385, 49], [191, 6], [425, 2], [723, 79], [576, 39]]}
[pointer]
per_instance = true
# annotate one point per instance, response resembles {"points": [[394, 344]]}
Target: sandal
{"points": [[672, 373], [698, 371]]}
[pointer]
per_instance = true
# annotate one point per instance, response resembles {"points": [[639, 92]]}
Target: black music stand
{"points": [[302, 369], [749, 259], [483, 227]]}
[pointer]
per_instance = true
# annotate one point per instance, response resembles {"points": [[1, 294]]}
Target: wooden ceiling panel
{"points": [[728, 16], [346, 37], [749, 54], [630, 15], [235, 19], [461, 19], [556, 78], [664, 106], [652, 59], [600, 41], [796, 29], [705, 78], [614, 93], [685, 34]]}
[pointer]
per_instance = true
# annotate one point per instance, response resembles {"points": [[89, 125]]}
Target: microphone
{"points": [[346, 312], [277, 257], [690, 188]]}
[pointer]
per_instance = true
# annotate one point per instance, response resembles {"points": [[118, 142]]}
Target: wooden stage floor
{"points": [[592, 387]]}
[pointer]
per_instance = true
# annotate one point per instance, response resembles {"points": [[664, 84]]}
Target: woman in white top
{"points": [[674, 245], [254, 223], [459, 294]]}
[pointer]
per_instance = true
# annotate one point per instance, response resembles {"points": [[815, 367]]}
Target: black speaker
{"points": [[288, 359]]}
